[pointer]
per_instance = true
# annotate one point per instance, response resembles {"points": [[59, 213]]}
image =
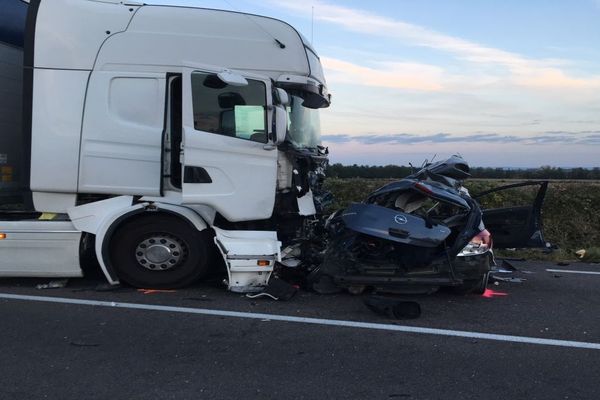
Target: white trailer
{"points": [[150, 134]]}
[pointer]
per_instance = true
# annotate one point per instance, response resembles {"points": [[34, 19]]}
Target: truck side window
{"points": [[236, 111]]}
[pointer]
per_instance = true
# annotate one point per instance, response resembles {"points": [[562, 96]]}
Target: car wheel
{"points": [[159, 251], [474, 286], [481, 285]]}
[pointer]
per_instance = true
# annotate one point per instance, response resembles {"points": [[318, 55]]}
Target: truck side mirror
{"points": [[280, 124], [282, 97], [231, 78]]}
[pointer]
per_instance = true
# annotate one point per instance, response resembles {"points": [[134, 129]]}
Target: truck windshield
{"points": [[304, 125]]}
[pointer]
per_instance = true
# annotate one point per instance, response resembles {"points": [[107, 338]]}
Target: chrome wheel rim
{"points": [[160, 252]]}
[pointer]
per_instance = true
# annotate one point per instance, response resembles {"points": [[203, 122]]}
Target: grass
{"points": [[571, 212]]}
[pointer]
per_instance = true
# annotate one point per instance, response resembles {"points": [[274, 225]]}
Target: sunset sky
{"points": [[504, 83]]}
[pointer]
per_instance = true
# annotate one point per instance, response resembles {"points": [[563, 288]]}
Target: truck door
{"points": [[518, 226], [227, 157]]}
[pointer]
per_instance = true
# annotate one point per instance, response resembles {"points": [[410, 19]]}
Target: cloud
{"points": [[553, 137], [411, 76], [554, 78], [537, 73]]}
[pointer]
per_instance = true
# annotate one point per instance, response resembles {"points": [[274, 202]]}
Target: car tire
{"points": [[472, 286], [159, 251], [481, 285]]}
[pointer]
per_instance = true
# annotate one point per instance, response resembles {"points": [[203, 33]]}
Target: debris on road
{"points": [[55, 284], [83, 344], [104, 287], [201, 298], [107, 287], [393, 308], [505, 273], [490, 294], [507, 265], [154, 291], [277, 289], [507, 279]]}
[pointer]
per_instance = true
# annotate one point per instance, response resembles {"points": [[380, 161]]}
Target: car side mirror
{"points": [[280, 124]]}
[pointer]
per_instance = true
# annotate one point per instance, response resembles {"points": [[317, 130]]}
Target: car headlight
{"points": [[479, 244]]}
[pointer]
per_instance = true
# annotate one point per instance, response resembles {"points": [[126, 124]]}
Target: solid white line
{"points": [[570, 271], [315, 321]]}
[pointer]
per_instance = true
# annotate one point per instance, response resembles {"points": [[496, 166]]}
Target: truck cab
{"points": [[159, 133]]}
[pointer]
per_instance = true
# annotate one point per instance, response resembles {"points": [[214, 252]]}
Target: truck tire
{"points": [[160, 251]]}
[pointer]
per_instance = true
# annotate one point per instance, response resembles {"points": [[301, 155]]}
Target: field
{"points": [[571, 212]]}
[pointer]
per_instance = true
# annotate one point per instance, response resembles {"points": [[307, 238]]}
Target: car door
{"points": [[228, 159], [516, 226]]}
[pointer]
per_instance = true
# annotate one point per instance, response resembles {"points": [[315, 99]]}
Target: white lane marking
{"points": [[314, 321], [570, 271]]}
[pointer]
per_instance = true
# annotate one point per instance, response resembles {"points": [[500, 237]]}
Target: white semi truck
{"points": [[150, 135]]}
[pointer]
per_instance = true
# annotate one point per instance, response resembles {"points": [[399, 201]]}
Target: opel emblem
{"points": [[400, 219]]}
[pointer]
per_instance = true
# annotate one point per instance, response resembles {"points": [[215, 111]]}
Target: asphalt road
{"points": [[57, 350]]}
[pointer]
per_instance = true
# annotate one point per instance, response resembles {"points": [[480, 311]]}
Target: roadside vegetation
{"points": [[400, 171], [571, 212]]}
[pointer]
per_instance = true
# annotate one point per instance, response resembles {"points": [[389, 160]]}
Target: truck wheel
{"points": [[159, 251]]}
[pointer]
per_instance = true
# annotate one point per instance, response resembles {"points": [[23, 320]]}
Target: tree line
{"points": [[400, 171]]}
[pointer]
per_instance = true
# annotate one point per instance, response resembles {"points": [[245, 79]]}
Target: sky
{"points": [[507, 83]]}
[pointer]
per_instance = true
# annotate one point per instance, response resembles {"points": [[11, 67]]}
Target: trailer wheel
{"points": [[159, 251]]}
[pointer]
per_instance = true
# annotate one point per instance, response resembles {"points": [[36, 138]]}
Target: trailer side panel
{"points": [[13, 168]]}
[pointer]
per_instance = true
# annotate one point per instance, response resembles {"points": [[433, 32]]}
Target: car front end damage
{"points": [[417, 234], [414, 235]]}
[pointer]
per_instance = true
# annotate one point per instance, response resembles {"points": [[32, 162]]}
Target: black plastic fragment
{"points": [[393, 308], [508, 266], [277, 289]]}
